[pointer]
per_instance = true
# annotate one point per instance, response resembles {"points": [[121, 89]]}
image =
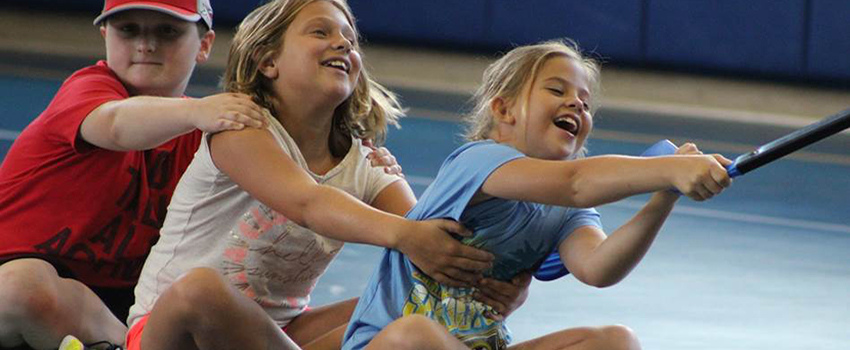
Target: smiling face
{"points": [[318, 57], [154, 53], [554, 121]]}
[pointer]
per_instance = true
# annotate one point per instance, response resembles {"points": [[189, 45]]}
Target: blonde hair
{"points": [[364, 114], [506, 78]]}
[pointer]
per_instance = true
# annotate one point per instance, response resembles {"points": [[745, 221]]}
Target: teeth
{"points": [[337, 64], [567, 124]]}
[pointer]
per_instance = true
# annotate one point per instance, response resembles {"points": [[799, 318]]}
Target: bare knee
{"points": [[201, 293], [29, 290], [412, 332], [619, 337]]}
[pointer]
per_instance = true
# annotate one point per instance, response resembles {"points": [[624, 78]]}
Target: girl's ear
{"points": [[501, 111], [268, 66]]}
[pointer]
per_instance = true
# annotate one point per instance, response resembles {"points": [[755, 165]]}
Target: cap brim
{"points": [[159, 7]]}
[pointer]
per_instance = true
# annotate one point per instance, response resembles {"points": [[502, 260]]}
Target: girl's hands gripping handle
{"points": [[700, 177], [430, 246]]}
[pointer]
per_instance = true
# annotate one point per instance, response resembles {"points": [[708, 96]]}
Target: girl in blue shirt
{"points": [[524, 188]]}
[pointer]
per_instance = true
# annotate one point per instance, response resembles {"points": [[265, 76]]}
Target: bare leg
{"points": [[322, 327], [201, 310], [328, 341], [415, 332], [38, 308], [585, 338]]}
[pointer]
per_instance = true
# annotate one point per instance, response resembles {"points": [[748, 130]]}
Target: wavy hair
{"points": [[506, 77], [365, 114]]}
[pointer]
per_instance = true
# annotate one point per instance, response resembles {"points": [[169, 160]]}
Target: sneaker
{"points": [[71, 342]]}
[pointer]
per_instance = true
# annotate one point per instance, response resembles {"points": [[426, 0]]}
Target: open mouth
{"points": [[337, 64], [567, 123]]}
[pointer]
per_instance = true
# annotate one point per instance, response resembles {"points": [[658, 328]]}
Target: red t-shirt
{"points": [[96, 211]]}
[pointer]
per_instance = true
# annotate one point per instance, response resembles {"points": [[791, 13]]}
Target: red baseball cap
{"points": [[187, 10]]}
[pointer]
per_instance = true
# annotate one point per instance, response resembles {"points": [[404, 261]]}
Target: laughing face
{"points": [[555, 122], [154, 53], [318, 57]]}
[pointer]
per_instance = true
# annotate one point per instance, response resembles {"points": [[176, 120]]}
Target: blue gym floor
{"points": [[766, 265]]}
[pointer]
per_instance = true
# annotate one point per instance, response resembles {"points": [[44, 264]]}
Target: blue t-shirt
{"points": [[519, 234]]}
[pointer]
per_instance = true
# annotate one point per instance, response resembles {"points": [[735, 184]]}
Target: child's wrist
{"points": [[396, 239]]}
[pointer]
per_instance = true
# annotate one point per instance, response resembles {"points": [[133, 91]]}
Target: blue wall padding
{"points": [[829, 46], [807, 39], [762, 36], [231, 12], [450, 22], [611, 28]]}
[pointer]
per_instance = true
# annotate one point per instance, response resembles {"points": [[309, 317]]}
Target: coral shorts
{"points": [[134, 336]]}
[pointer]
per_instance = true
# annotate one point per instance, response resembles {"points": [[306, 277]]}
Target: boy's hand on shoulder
{"points": [[503, 297], [430, 246], [226, 111]]}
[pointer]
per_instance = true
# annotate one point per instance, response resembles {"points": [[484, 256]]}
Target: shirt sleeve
{"points": [[81, 93], [377, 180], [460, 177], [577, 218]]}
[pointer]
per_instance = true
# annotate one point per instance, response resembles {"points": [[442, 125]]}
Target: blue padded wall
{"points": [[761, 36], [829, 44], [808, 39], [610, 27], [230, 13], [450, 22]]}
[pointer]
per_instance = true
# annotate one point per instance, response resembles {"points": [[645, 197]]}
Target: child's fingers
{"points": [[497, 305], [723, 160], [454, 227], [494, 315], [246, 119], [475, 259], [495, 289], [382, 155], [522, 280], [394, 170], [713, 188], [700, 193], [382, 160], [459, 278], [450, 281], [224, 124], [480, 262], [504, 297]]}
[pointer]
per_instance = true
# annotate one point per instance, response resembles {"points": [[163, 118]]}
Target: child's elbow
{"points": [[579, 193], [599, 280], [570, 185], [603, 283]]}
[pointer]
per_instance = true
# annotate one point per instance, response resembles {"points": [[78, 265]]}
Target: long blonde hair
{"points": [[506, 78], [364, 114]]}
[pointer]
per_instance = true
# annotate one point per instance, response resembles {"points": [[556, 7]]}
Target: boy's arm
{"points": [[252, 159], [144, 122], [599, 180]]}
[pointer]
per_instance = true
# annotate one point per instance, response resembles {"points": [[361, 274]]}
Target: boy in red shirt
{"points": [[84, 188]]}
